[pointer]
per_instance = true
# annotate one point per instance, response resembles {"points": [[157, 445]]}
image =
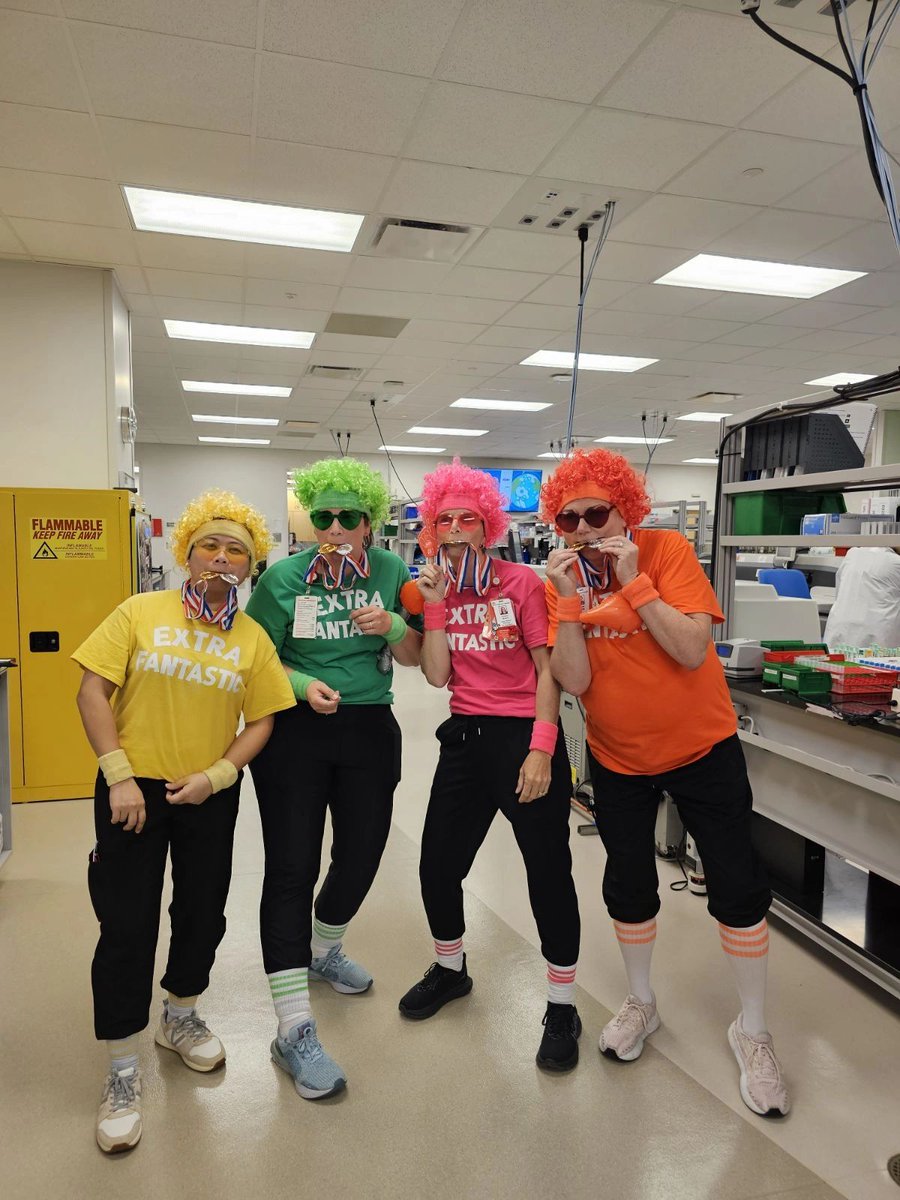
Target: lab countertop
{"points": [[849, 715]]}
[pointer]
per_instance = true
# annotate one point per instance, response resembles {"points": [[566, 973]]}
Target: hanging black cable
{"points": [[410, 498]]}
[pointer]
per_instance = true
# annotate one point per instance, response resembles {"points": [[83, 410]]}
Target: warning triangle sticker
{"points": [[43, 551]]}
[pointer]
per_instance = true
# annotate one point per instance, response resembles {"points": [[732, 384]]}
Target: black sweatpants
{"points": [[126, 871], [476, 777], [349, 762], [715, 803]]}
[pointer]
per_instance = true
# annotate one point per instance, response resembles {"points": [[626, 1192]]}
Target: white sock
{"points": [[180, 1006], [325, 937], [561, 984], [290, 995], [636, 944], [123, 1054], [748, 952], [450, 954]]}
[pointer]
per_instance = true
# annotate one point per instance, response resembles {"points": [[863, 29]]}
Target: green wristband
{"points": [[397, 631], [300, 683]]}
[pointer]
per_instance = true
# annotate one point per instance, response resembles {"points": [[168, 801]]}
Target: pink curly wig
{"points": [[453, 482], [603, 469]]}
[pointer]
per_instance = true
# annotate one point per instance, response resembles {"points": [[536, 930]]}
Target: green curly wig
{"points": [[343, 475]]}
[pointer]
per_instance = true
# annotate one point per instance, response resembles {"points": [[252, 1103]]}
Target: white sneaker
{"points": [[763, 1088], [119, 1124], [623, 1038], [190, 1037]]}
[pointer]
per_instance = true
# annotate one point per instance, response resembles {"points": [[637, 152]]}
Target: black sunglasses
{"points": [[349, 518], [596, 517]]}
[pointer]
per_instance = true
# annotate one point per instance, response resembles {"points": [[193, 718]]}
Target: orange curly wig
{"points": [[601, 468]]}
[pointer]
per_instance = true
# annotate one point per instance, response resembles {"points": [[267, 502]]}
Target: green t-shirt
{"points": [[357, 665]]}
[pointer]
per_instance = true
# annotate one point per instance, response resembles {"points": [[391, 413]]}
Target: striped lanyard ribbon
{"points": [[597, 579], [197, 607], [349, 570], [475, 570]]}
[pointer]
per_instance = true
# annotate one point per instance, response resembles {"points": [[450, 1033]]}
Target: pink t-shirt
{"points": [[491, 678]]}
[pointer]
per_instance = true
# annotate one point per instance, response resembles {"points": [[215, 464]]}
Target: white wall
{"points": [[61, 347], [170, 476]]}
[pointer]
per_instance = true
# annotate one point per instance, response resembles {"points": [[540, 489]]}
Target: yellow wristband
{"points": [[222, 774], [115, 767]]}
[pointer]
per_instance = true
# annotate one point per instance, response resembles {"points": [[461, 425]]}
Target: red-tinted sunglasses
{"points": [[465, 520], [596, 517]]}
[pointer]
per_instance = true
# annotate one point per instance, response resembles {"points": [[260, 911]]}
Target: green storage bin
{"points": [[757, 513], [807, 682], [772, 674]]}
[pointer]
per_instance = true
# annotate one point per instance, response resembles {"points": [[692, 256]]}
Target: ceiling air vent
{"points": [[321, 371], [428, 241], [363, 325], [302, 426]]}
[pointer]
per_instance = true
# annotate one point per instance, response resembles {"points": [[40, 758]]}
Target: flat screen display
{"points": [[520, 489]]}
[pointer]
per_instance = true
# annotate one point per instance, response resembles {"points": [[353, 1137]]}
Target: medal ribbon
{"points": [[349, 570], [475, 570], [197, 607], [597, 579]]}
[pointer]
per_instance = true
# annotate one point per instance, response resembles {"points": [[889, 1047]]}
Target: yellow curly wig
{"points": [[218, 504]]}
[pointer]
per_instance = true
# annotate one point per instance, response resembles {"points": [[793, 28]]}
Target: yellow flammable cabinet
{"points": [[67, 559]]}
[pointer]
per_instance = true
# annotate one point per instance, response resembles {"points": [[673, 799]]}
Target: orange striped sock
{"points": [[636, 944], [747, 948], [749, 942]]}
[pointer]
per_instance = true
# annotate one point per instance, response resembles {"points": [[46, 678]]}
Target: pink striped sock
{"points": [[561, 984], [450, 954]]}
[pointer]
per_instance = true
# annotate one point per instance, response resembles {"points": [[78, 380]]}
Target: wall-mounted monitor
{"points": [[520, 489]]}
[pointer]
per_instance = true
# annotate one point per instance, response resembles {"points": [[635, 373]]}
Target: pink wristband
{"points": [[639, 592], [436, 615], [543, 737]]}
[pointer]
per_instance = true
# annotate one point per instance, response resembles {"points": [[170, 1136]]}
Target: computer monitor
{"points": [[520, 488]]}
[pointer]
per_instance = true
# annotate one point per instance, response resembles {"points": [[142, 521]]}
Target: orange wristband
{"points": [[568, 608], [639, 592]]}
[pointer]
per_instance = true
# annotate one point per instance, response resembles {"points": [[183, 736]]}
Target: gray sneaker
{"points": [[119, 1117], [190, 1037], [341, 972], [315, 1074]]}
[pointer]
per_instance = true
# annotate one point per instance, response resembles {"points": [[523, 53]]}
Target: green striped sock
{"points": [[290, 995], [325, 937]]}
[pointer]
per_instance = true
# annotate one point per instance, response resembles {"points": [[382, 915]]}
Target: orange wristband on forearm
{"points": [[639, 592], [568, 608]]}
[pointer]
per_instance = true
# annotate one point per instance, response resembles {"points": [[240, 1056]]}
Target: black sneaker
{"points": [[438, 986], [559, 1045]]}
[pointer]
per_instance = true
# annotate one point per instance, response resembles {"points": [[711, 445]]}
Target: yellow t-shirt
{"points": [[182, 684]]}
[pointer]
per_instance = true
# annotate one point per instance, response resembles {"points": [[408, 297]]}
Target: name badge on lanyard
{"points": [[306, 616], [501, 624]]}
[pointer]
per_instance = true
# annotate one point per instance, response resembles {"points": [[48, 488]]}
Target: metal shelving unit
{"points": [[690, 518]]}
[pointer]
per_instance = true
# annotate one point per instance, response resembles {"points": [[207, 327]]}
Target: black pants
{"points": [[476, 777], [126, 871], [348, 762], [715, 802]]}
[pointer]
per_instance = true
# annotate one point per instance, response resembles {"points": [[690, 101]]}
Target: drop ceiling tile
{"points": [[76, 243], [131, 279], [714, 352], [846, 190], [628, 149], [49, 7], [725, 306], [144, 306], [9, 242], [888, 347], [318, 176], [780, 357], [832, 341], [150, 77], [67, 198], [680, 221], [513, 337], [191, 286], [776, 235], [230, 21], [296, 266], [488, 356], [147, 154], [440, 331], [817, 314], [437, 192], [395, 275], [462, 308], [762, 335], [44, 139], [36, 64], [490, 284], [199, 255], [284, 294], [530, 251], [278, 317], [407, 36], [785, 164], [569, 49], [302, 100], [541, 316], [478, 127], [611, 322], [215, 311], [665, 301], [880, 322], [881, 289], [870, 247], [739, 65]]}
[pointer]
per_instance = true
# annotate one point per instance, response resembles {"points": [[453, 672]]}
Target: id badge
{"points": [[306, 616], [585, 594], [504, 613]]}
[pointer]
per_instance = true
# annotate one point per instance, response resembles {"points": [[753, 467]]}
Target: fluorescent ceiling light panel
{"points": [[240, 335], [413, 449], [551, 454], [586, 362], [634, 441], [499, 405], [839, 378], [237, 441], [234, 389], [448, 432], [213, 420], [241, 220], [719, 274], [707, 462], [703, 416]]}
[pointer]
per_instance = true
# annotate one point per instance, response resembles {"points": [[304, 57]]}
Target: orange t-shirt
{"points": [[645, 713]]}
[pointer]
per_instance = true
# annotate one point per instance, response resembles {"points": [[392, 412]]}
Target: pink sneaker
{"points": [[762, 1086], [623, 1038]]}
